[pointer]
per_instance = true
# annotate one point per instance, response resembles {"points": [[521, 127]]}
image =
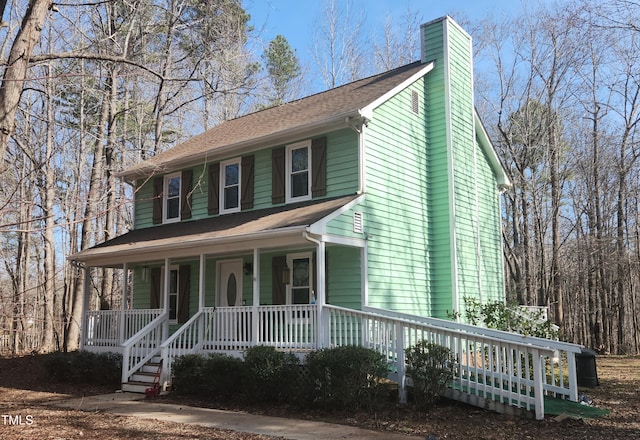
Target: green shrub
{"points": [[271, 375], [216, 374], [84, 367], [187, 372], [507, 317], [430, 368], [346, 376]]}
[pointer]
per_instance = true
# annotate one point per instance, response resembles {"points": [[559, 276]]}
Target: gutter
{"points": [[243, 147], [94, 254]]}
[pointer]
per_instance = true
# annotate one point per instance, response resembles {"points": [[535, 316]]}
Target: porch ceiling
{"points": [[281, 226]]}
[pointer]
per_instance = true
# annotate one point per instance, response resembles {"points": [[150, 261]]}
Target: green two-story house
{"points": [[293, 225]]}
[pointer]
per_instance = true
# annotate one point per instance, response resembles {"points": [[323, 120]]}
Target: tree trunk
{"points": [[16, 69]]}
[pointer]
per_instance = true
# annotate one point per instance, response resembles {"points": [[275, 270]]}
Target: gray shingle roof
{"points": [[210, 231], [276, 123]]}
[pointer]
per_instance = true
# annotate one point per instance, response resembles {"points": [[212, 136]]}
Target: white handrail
{"points": [[508, 336], [141, 347], [187, 339], [498, 367], [558, 365]]}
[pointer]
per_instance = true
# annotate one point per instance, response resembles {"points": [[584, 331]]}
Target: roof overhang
{"points": [[335, 122], [271, 228], [502, 177]]}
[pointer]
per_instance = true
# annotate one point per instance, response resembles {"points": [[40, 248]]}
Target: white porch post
{"points": [[125, 284], [255, 314], [321, 296], [165, 295], [201, 293], [202, 279], [84, 324]]}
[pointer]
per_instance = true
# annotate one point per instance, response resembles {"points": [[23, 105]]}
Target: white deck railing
{"points": [[230, 330], [493, 369], [293, 327], [143, 346], [186, 340], [102, 328], [103, 332]]}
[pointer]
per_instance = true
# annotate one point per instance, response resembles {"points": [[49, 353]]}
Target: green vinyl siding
{"points": [[491, 263], [394, 215], [199, 193], [144, 204], [141, 292], [439, 210], [463, 202], [342, 162], [344, 283], [342, 178]]}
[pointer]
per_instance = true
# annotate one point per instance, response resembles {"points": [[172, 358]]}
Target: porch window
{"points": [[230, 184], [172, 186], [298, 172], [301, 278]]}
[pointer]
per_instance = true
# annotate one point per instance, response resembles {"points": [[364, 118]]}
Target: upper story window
{"points": [[172, 197], [299, 171], [230, 184], [172, 192], [298, 162]]}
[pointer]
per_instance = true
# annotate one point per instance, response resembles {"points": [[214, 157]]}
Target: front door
{"points": [[229, 283]]}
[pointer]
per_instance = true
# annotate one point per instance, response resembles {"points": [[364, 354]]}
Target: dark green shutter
{"points": [[186, 190], [183, 293], [158, 189], [247, 172], [319, 167], [277, 175], [156, 288], [279, 289], [213, 202]]}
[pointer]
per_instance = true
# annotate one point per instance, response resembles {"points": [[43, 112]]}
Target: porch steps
{"points": [[143, 378]]}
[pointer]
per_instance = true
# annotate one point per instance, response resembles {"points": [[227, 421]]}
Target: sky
{"points": [[294, 19]]}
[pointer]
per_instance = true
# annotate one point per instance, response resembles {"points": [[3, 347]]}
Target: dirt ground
{"points": [[24, 388]]}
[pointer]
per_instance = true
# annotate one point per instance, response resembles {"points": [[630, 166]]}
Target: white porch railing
{"points": [[293, 327], [493, 369], [102, 329], [143, 346], [186, 340], [230, 330]]}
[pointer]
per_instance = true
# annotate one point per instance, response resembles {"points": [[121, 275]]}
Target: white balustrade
{"points": [[490, 366], [102, 327], [143, 346]]}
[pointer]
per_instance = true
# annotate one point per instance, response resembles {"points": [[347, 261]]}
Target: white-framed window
{"points": [[298, 171], [230, 186], [300, 289], [172, 198], [174, 282]]}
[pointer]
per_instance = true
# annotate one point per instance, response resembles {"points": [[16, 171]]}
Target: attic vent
{"points": [[357, 222], [415, 102]]}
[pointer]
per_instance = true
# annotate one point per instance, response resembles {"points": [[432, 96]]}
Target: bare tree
{"points": [[338, 49]]}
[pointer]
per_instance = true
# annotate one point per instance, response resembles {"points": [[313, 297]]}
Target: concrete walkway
{"points": [[129, 404]]}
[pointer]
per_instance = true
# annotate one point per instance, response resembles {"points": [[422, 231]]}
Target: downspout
{"points": [[323, 316]]}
